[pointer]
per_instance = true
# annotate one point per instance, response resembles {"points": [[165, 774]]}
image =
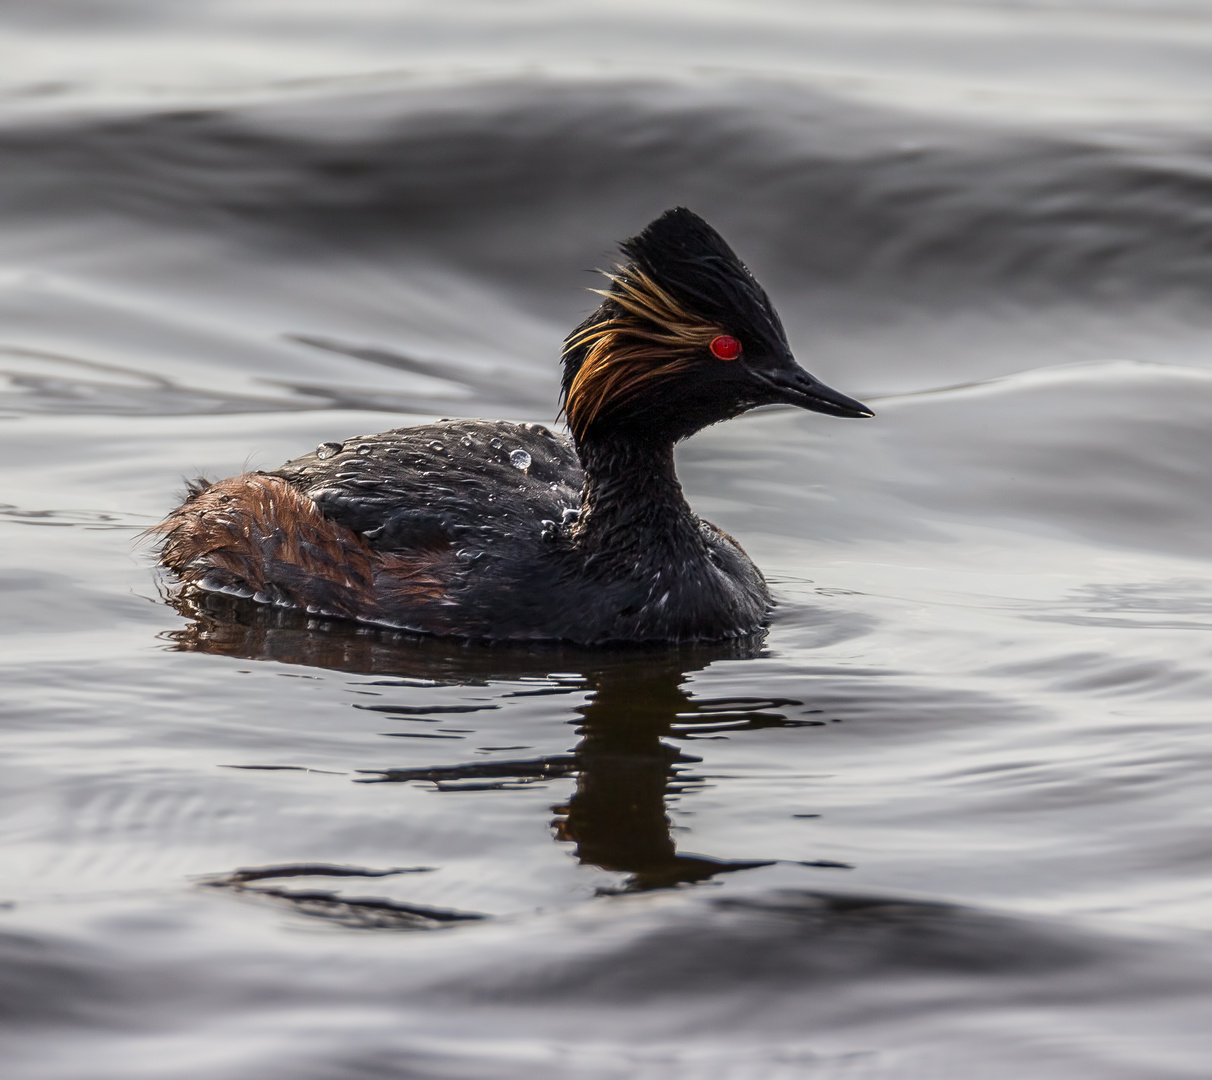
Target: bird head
{"points": [[684, 337]]}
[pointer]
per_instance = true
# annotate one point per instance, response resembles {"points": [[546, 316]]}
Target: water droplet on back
{"points": [[329, 449], [519, 459]]}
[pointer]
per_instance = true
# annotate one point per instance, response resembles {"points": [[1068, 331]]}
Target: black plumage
{"points": [[495, 530]]}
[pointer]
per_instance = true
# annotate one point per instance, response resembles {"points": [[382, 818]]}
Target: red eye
{"points": [[725, 347]]}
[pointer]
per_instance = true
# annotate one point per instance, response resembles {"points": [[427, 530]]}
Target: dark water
{"points": [[948, 819]]}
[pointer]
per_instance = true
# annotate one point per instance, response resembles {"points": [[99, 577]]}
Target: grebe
{"points": [[490, 530]]}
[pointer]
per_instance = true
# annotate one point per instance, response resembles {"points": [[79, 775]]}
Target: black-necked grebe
{"points": [[484, 529]]}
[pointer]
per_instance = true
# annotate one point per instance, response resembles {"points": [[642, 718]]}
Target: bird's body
{"points": [[491, 530]]}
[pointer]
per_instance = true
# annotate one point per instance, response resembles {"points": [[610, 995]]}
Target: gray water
{"points": [[947, 819]]}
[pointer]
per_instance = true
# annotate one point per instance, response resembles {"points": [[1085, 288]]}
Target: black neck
{"points": [[632, 501]]}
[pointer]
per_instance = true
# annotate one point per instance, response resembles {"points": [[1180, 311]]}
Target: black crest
{"points": [[693, 262]]}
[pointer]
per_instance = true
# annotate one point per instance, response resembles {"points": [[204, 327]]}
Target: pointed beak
{"points": [[792, 385]]}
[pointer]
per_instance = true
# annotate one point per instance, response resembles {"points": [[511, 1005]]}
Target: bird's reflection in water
{"points": [[625, 768], [617, 816]]}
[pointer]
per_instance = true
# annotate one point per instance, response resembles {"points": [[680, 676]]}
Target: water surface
{"points": [[947, 818]]}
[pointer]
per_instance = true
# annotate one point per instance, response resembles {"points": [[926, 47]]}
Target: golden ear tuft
{"points": [[651, 339]]}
